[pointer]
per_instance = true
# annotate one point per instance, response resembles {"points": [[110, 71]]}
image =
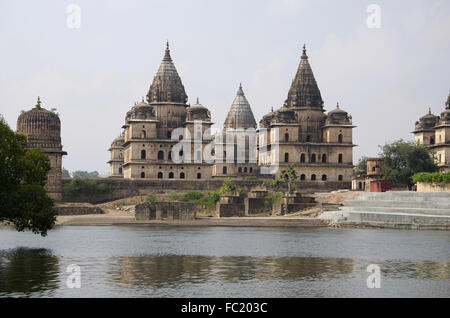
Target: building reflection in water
{"points": [[25, 270], [166, 270]]}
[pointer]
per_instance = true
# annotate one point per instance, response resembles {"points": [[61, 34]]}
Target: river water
{"points": [[150, 261]]}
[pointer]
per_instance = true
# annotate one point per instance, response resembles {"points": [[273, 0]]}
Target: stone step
{"points": [[397, 218], [427, 204], [400, 210], [405, 194], [404, 198]]}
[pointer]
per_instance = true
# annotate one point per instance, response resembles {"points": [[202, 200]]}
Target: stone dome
{"points": [[338, 116], [198, 112], [141, 110], [118, 142], [427, 121], [41, 126]]}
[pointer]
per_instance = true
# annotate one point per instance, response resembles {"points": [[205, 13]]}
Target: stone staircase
{"points": [[395, 209]]}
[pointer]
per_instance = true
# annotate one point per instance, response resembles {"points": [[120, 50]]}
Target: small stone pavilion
{"points": [[42, 128]]}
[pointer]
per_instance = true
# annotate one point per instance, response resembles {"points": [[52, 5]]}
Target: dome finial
{"points": [[197, 101], [167, 44], [38, 103], [167, 52], [429, 110], [240, 91], [304, 56], [337, 105]]}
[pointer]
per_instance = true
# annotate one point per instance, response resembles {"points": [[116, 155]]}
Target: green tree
{"points": [[23, 174], [361, 167], [85, 174], [228, 187], [286, 178], [402, 159]]}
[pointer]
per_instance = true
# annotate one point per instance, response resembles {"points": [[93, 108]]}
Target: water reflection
{"points": [[25, 270], [165, 270]]}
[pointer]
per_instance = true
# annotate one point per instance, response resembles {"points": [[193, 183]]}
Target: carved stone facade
{"points": [[319, 146], [434, 132], [43, 129], [116, 160], [153, 128], [234, 154]]}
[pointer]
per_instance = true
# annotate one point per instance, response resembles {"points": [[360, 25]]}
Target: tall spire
{"points": [[240, 114], [167, 86], [304, 91]]}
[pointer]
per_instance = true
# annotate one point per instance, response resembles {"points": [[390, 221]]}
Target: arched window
{"points": [[143, 154], [169, 157], [224, 170], [120, 170], [313, 157], [250, 170], [199, 175], [182, 175], [240, 169], [340, 158], [169, 134], [245, 169], [432, 140], [160, 175], [286, 157], [302, 177], [302, 157], [170, 175], [340, 177], [359, 185], [324, 158], [340, 138], [308, 138], [143, 134], [160, 155], [142, 175], [324, 177], [313, 177], [286, 137]]}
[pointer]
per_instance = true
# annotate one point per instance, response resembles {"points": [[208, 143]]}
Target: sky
{"points": [[386, 77]]}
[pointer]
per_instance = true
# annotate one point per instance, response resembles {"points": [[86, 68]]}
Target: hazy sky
{"points": [[386, 77]]}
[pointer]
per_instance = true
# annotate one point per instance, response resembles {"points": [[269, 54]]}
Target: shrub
{"points": [[150, 197], [431, 177], [175, 196], [192, 196], [228, 187], [80, 186]]}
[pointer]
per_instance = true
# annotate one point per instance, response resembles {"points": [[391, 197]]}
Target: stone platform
{"points": [[397, 209]]}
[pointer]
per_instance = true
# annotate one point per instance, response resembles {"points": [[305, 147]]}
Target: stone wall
{"points": [[130, 187], [165, 211], [433, 187], [77, 209], [230, 205]]}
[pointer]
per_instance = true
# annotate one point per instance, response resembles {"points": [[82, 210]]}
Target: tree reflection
{"points": [[24, 270]]}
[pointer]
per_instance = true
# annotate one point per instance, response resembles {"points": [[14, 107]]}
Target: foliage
{"points": [[229, 188], [431, 177], [150, 197], [23, 174], [361, 167], [401, 160], [83, 187], [275, 196], [85, 174], [208, 199], [286, 178]]}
